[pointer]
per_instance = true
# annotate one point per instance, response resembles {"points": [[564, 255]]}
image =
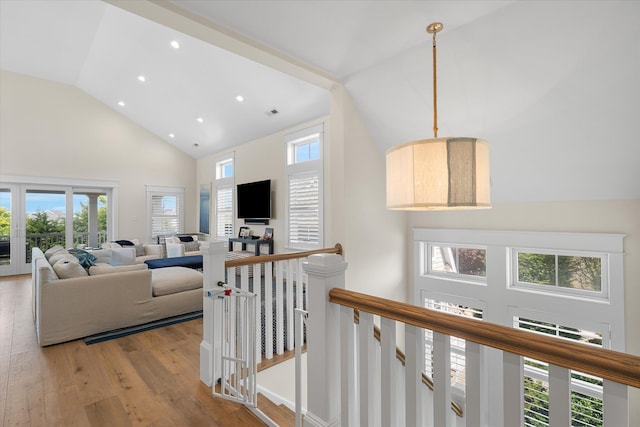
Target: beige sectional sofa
{"points": [[139, 252], [74, 304], [176, 247]]}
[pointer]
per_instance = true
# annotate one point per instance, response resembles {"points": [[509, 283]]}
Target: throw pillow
{"points": [[139, 250], [125, 242], [60, 257], [68, 270], [185, 239], [123, 256], [57, 256], [49, 252], [191, 246], [102, 256], [85, 258], [98, 270]]}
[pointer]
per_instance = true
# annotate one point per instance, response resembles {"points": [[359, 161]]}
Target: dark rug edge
{"points": [[123, 332]]}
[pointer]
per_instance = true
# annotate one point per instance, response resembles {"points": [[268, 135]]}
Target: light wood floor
{"points": [[147, 379]]}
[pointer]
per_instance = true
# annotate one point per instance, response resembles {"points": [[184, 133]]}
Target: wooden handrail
{"points": [[337, 249], [608, 364]]}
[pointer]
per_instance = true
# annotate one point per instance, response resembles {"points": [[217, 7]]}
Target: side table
{"points": [[256, 242]]}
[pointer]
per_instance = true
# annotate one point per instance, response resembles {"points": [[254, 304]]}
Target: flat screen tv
{"points": [[254, 200]]}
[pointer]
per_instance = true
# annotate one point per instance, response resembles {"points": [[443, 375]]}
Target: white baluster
{"points": [[559, 396], [441, 379], [389, 402]]}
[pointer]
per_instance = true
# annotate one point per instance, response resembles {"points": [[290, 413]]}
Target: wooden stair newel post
{"points": [[325, 271], [213, 258]]}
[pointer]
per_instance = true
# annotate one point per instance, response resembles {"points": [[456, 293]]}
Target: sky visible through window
{"points": [[45, 202]]}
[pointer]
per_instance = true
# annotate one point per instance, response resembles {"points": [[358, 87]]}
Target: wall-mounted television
{"points": [[254, 200]]}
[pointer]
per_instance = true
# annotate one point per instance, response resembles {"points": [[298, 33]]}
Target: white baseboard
{"points": [[279, 400]]}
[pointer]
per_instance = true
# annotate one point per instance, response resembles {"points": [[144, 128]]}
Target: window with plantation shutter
{"points": [[304, 189], [224, 186], [304, 210], [224, 212], [165, 208]]}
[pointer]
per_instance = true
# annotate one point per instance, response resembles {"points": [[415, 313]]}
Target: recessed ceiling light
{"points": [[239, 98], [200, 120], [171, 135], [174, 44], [142, 78], [121, 103]]}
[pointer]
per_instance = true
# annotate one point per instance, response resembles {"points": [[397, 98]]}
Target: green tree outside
{"points": [[5, 221]]}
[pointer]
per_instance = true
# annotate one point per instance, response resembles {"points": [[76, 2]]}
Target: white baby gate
{"points": [[234, 321]]}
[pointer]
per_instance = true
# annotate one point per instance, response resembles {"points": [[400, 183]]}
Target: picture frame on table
{"points": [[268, 233], [245, 233]]}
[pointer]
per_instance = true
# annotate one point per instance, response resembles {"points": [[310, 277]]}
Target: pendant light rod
{"points": [[433, 29]]}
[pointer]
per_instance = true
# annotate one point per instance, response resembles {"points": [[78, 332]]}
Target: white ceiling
{"points": [[553, 86]]}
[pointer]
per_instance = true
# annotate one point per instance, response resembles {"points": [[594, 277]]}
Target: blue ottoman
{"points": [[191, 261]]}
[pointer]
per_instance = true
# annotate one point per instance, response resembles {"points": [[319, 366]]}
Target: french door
{"points": [[43, 216]]}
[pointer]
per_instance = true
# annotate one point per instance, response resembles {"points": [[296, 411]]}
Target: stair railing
{"points": [[350, 387]]}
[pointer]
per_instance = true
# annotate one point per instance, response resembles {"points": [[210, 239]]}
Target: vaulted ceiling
{"points": [[553, 86]]}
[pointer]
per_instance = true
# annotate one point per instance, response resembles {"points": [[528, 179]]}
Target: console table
{"points": [[255, 242]]}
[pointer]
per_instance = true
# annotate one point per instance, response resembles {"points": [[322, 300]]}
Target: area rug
{"points": [[118, 333]]}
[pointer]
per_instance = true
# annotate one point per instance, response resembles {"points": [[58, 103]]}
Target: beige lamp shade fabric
{"points": [[439, 173]]}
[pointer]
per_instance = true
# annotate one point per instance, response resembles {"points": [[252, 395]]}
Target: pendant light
{"points": [[438, 173]]}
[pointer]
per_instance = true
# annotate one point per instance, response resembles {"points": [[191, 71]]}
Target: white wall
{"points": [[263, 158], [355, 214], [50, 129]]}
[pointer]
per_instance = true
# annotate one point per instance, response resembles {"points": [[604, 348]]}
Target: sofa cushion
{"points": [[97, 270], [103, 256], [123, 256], [52, 250], [185, 238], [68, 270], [171, 280], [60, 257], [125, 243], [57, 256], [191, 246], [139, 250]]}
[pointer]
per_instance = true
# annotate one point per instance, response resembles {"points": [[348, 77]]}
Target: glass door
{"points": [[29, 217], [43, 216], [9, 231], [90, 217], [45, 219]]}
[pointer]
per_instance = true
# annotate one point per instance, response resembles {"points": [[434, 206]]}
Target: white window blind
{"points": [[304, 210], [224, 212], [165, 211], [165, 214]]}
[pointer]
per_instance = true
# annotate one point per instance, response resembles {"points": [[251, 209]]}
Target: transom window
{"points": [[574, 273], [224, 168], [457, 260]]}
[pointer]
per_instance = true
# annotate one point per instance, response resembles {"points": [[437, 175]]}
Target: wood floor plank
{"points": [[25, 396], [4, 383], [62, 406], [107, 412], [136, 397], [90, 379]]}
